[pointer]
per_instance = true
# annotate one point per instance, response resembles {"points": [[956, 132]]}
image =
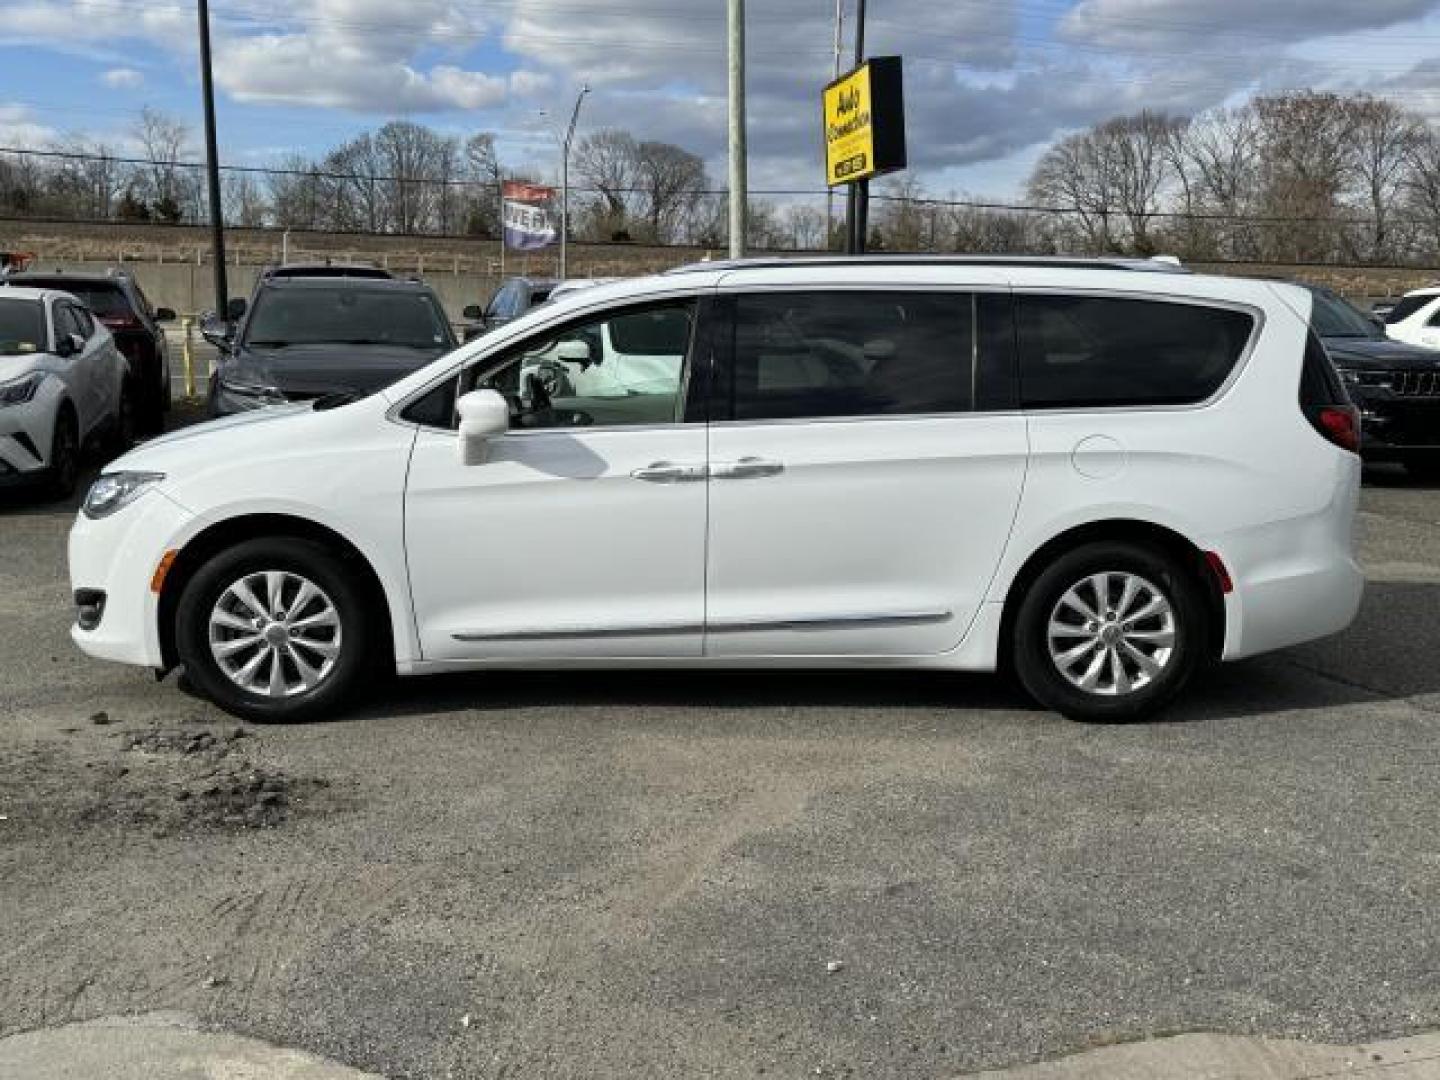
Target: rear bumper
{"points": [[1393, 428], [1295, 580]]}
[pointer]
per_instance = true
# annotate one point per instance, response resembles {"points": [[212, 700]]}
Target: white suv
{"points": [[1101, 475], [63, 383]]}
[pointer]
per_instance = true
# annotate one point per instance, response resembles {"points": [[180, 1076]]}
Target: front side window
{"points": [[1094, 352], [347, 316], [852, 353], [22, 327], [625, 367]]}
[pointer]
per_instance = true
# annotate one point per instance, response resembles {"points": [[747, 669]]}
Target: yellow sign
{"points": [[849, 128], [865, 122]]}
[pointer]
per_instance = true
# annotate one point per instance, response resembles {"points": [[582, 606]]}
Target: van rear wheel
{"points": [[1110, 632], [274, 630]]}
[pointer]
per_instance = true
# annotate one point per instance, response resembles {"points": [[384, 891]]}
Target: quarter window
{"points": [[1088, 351], [842, 353]]}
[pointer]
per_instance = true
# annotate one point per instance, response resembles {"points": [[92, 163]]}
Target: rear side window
{"points": [[1093, 352], [106, 301], [820, 354]]}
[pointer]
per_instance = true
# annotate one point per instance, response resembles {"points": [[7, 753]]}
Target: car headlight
{"points": [[21, 391], [252, 395], [115, 491]]}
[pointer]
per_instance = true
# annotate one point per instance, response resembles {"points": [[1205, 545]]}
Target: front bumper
{"points": [[117, 557], [26, 432], [1394, 427]]}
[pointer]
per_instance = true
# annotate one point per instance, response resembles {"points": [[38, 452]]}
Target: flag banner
{"points": [[529, 223]]}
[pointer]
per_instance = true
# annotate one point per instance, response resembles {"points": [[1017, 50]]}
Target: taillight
{"points": [[1324, 401], [1341, 425]]}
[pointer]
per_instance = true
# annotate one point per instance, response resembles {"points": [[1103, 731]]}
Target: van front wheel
{"points": [[274, 630], [1109, 632]]}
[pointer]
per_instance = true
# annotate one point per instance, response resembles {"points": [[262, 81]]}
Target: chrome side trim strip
{"points": [[830, 622], [799, 623], [560, 633]]}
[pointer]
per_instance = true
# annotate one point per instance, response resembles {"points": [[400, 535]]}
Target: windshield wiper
{"points": [[270, 344], [337, 399]]}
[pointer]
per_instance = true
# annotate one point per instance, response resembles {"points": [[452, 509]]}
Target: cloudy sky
{"points": [[988, 82]]}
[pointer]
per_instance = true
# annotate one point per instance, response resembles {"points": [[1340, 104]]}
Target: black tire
{"points": [[1424, 468], [149, 407], [63, 471], [292, 556], [122, 428], [1188, 623]]}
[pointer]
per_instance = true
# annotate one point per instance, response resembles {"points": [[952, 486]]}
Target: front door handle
{"points": [[747, 468], [667, 472]]}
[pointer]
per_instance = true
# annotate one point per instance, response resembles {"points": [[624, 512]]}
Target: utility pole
{"points": [[565, 181], [212, 165], [857, 204], [830, 191], [739, 187]]}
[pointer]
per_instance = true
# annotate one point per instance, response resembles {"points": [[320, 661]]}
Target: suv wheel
{"points": [[122, 430], [274, 630], [1109, 632], [63, 472]]}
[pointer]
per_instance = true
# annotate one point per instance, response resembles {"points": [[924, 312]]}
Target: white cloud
{"points": [[18, 127], [525, 83], [1148, 24], [359, 55], [123, 79]]}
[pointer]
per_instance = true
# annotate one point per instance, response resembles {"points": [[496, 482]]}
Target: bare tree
{"points": [[172, 189], [1307, 149], [1386, 138], [670, 180], [1077, 176], [806, 226], [605, 162]]}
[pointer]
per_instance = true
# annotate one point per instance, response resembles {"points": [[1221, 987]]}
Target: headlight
{"points": [[21, 391], [252, 395], [115, 491]]}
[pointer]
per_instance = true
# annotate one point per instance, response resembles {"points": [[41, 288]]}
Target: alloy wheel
{"points": [[275, 633], [1112, 634]]}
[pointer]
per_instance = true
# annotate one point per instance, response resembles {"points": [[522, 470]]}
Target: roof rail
{"points": [[1167, 264]]}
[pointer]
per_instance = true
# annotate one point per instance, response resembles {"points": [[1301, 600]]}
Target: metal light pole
{"points": [[212, 165], [739, 187], [858, 197], [829, 190], [565, 181]]}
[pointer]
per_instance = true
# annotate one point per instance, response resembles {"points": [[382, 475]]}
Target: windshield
{"points": [[106, 301], [1334, 318], [347, 316], [1408, 306], [22, 327]]}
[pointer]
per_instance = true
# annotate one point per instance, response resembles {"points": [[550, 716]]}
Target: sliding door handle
{"points": [[667, 472], [747, 468]]}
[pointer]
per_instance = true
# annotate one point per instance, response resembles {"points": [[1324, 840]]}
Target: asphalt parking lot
{"points": [[870, 875]]}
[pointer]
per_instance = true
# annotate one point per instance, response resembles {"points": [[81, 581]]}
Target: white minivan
{"points": [[1100, 474]]}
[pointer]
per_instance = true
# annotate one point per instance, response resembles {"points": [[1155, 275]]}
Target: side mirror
{"points": [[235, 309], [1378, 320], [484, 415], [70, 345], [474, 312], [164, 314]]}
